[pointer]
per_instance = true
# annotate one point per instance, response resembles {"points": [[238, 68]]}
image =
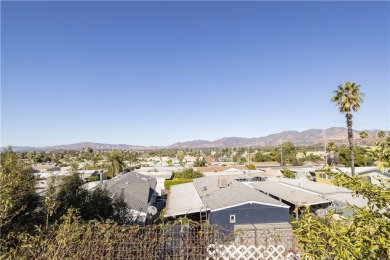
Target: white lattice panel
{"points": [[242, 252]]}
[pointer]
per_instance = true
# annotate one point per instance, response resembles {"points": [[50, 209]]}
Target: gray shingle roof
{"points": [[235, 194], [137, 189]]}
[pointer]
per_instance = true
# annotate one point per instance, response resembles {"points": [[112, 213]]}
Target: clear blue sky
{"points": [[154, 73]]}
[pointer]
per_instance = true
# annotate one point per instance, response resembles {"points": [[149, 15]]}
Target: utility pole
{"points": [[249, 156], [160, 158]]}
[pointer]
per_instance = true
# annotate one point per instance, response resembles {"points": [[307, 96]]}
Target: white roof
{"points": [[316, 187], [158, 168], [331, 192], [158, 175], [233, 170], [289, 194], [91, 185], [359, 170], [183, 199], [54, 174], [348, 198]]}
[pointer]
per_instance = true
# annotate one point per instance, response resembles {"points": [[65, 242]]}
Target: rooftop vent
{"points": [[222, 183], [204, 187]]}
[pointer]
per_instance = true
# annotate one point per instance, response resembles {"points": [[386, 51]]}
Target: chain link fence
{"points": [[194, 242], [178, 241]]}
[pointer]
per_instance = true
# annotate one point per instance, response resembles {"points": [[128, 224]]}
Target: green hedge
{"points": [[169, 183], [187, 173]]}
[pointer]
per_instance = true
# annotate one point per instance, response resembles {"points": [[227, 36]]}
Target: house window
{"points": [[232, 218], [330, 177]]}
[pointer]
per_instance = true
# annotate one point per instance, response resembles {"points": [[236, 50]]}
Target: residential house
{"points": [[339, 196], [138, 192], [372, 174], [225, 201], [292, 196]]}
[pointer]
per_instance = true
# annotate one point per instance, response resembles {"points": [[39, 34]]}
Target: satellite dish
{"points": [[152, 210]]}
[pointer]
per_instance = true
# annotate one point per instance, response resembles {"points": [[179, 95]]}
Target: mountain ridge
{"points": [[307, 137]]}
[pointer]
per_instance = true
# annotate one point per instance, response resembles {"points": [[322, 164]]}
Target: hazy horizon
{"points": [[157, 73], [183, 141]]}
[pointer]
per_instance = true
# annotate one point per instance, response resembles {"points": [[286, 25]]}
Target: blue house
{"points": [[225, 201]]}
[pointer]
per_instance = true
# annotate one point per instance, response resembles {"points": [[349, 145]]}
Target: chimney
{"points": [[222, 183]]}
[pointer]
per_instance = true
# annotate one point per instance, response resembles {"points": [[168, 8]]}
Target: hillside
{"points": [[311, 136]]}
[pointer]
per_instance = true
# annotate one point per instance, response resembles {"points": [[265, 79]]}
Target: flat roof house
{"points": [[339, 196], [292, 196]]}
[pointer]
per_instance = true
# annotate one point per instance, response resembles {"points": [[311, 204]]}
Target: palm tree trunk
{"points": [[332, 158], [350, 140]]}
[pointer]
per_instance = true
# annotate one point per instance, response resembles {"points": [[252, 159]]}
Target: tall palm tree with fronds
{"points": [[332, 147], [116, 163], [348, 97], [381, 134], [363, 135]]}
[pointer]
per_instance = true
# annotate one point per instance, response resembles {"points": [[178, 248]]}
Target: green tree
{"points": [[362, 158], [200, 162], [180, 155], [381, 134], [121, 213], [242, 160], [287, 173], [116, 163], [251, 167], [187, 173], [363, 235], [68, 192], [332, 148], [286, 153], [260, 157], [31, 155], [348, 97], [132, 157], [99, 205], [169, 162], [363, 135], [381, 152], [17, 186]]}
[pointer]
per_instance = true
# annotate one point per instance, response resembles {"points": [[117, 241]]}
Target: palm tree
{"points": [[363, 135], [116, 163], [332, 147], [381, 134], [348, 97]]}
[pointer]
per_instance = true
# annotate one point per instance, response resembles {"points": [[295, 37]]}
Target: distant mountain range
{"points": [[311, 136]]}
